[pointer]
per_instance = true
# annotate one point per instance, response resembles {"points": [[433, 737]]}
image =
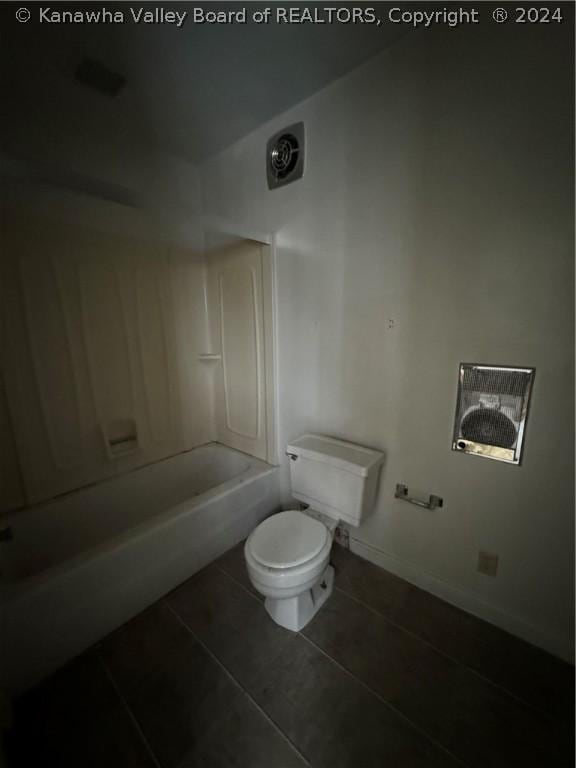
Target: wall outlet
{"points": [[487, 563], [342, 536]]}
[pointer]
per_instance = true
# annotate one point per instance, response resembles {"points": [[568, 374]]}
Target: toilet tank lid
{"points": [[347, 456]]}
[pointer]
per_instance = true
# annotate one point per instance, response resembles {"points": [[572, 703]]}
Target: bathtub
{"points": [[86, 562]]}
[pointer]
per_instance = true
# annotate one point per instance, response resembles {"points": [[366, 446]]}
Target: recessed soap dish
{"points": [[121, 438]]}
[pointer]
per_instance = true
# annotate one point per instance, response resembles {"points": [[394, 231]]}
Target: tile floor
{"points": [[385, 675]]}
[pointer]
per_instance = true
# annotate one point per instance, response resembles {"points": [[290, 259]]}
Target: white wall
{"points": [[433, 226]]}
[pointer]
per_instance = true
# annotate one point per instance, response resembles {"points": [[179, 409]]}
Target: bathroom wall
{"points": [[102, 331], [433, 226]]}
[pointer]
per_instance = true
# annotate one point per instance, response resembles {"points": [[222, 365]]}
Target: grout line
{"points": [[128, 709], [292, 746], [387, 704], [409, 632], [532, 707], [362, 683], [245, 588]]}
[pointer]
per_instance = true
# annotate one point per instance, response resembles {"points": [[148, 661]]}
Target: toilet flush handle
{"points": [[292, 456]]}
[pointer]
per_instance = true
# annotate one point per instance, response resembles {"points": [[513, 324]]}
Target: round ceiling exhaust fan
{"points": [[285, 156]]}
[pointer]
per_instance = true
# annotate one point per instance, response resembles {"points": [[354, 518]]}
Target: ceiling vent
{"points": [[93, 74], [285, 156]]}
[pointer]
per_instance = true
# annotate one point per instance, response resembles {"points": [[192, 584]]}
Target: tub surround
{"points": [[105, 338]]}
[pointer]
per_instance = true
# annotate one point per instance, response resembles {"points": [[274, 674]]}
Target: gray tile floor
{"points": [[385, 675]]}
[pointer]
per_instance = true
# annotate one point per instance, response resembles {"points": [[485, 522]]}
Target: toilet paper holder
{"points": [[432, 503]]}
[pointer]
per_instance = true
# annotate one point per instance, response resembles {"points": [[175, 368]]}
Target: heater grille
{"points": [[491, 411], [285, 156]]}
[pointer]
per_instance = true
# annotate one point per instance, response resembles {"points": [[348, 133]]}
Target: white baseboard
{"points": [[559, 646]]}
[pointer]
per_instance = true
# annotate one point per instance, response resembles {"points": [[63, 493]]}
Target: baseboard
{"points": [[554, 644]]}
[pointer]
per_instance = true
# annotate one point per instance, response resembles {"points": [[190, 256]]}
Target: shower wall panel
{"points": [[236, 299], [100, 355]]}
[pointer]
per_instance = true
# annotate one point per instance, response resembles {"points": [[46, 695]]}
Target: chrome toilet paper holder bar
{"points": [[432, 503]]}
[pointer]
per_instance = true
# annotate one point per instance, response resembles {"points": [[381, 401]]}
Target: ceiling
{"points": [[190, 91]]}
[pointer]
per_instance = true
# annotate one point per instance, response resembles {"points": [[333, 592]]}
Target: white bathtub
{"points": [[82, 564]]}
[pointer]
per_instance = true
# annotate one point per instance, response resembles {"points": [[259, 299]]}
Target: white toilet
{"points": [[288, 554]]}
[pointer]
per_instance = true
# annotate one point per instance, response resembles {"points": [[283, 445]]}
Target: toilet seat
{"points": [[283, 582], [288, 561], [287, 540]]}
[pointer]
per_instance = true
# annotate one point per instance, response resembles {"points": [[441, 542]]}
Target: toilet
{"points": [[288, 554]]}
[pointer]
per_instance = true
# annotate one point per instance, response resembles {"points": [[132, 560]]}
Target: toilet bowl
{"points": [[287, 557], [288, 554]]}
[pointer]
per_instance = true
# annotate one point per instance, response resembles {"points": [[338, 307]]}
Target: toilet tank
{"points": [[334, 477]]}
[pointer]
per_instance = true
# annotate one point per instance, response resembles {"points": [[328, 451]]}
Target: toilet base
{"points": [[295, 612]]}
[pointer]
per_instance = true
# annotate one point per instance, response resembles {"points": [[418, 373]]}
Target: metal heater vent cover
{"points": [[491, 411], [285, 156]]}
